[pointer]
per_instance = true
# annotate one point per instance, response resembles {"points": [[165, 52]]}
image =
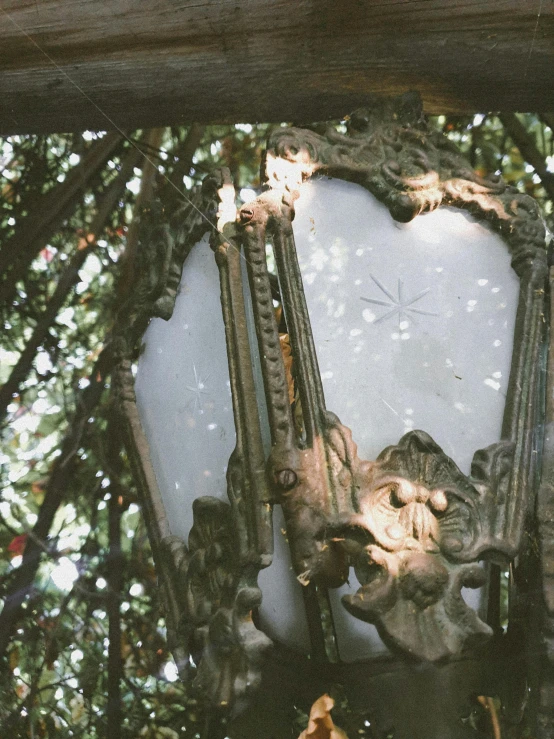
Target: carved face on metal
{"points": [[409, 543]]}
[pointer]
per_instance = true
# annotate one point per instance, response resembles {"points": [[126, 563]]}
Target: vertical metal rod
{"points": [[273, 369], [298, 324], [243, 524], [155, 515], [115, 581], [523, 421], [546, 493], [306, 367], [323, 641], [245, 402], [321, 628], [306, 372], [494, 593], [545, 519]]}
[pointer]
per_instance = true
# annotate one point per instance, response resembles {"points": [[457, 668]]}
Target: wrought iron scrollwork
{"points": [[218, 599], [423, 526]]}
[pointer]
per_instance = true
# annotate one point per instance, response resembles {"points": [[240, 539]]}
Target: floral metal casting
{"points": [[219, 599]]}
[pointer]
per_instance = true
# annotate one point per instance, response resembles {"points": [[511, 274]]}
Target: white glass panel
{"points": [[184, 402], [282, 613], [413, 326], [183, 393], [413, 323], [356, 640]]}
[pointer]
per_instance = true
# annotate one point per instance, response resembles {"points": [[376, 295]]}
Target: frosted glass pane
{"points": [[413, 326], [183, 393], [413, 323], [356, 640], [282, 613], [184, 402]]}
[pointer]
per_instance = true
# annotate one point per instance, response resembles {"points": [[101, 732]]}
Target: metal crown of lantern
{"points": [[400, 322]]}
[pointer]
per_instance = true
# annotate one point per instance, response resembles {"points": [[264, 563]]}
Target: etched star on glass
{"points": [[399, 305], [413, 327]]}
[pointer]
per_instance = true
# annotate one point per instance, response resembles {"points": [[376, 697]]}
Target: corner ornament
{"points": [[413, 527], [424, 533], [218, 600], [391, 151]]}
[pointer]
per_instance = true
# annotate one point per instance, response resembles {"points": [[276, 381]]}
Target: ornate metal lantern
{"points": [[407, 293]]}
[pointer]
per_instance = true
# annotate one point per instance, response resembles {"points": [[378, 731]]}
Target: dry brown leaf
{"points": [[488, 704], [14, 659], [320, 725], [287, 359]]}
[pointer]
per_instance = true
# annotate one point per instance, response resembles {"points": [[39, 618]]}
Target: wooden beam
{"points": [[75, 64]]}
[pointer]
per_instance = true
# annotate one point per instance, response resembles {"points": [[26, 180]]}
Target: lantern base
{"points": [[387, 697]]}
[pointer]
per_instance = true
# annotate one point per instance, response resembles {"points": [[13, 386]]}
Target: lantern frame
{"points": [[338, 508]]}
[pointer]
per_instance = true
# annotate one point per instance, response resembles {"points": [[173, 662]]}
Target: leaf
{"points": [[320, 725], [14, 659], [47, 254], [22, 691], [77, 707], [39, 486], [287, 359], [16, 547]]}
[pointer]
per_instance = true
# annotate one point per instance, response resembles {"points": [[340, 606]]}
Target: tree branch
{"points": [[66, 282], [34, 231], [60, 477], [529, 150], [115, 581], [146, 192], [185, 154]]}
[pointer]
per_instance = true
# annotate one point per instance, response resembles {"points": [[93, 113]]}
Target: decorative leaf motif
{"points": [[493, 467], [390, 151], [218, 605]]}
